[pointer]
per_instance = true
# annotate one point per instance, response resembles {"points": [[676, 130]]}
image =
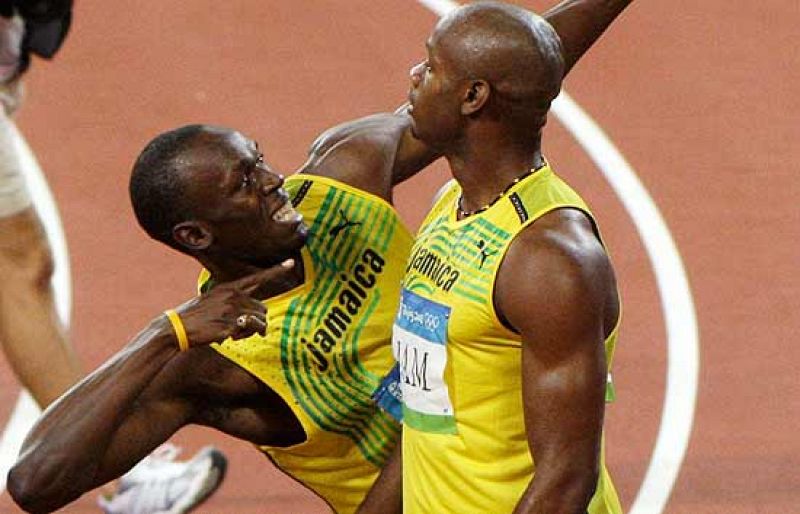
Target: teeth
{"points": [[285, 213]]}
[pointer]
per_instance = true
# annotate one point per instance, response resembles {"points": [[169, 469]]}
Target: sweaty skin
{"points": [[575, 253], [145, 393], [135, 401], [471, 101]]}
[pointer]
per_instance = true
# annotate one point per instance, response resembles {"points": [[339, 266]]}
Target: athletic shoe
{"points": [[161, 485]]}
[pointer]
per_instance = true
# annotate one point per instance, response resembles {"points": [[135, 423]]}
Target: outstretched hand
{"points": [[229, 309]]}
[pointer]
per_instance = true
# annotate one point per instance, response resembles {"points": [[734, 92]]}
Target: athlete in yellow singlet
{"points": [[510, 309], [326, 349], [464, 441], [284, 356]]}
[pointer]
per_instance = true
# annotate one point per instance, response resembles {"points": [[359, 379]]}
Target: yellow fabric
{"points": [[465, 448], [328, 340]]}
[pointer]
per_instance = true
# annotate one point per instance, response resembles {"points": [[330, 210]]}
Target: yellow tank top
{"points": [[328, 340], [465, 448]]}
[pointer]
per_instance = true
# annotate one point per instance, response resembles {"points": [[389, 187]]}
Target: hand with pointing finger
{"points": [[229, 309]]}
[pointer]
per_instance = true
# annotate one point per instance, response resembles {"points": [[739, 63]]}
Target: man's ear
{"points": [[475, 97], [193, 235]]}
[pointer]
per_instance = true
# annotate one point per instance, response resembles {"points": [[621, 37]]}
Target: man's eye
{"points": [[246, 180]]}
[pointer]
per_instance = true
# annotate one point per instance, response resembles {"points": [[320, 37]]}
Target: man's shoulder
{"points": [[566, 271], [561, 245], [373, 129], [360, 153]]}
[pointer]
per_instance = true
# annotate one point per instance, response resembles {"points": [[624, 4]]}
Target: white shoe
{"points": [[161, 485]]}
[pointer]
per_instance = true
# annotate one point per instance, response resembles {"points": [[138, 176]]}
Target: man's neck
{"points": [[486, 166]]}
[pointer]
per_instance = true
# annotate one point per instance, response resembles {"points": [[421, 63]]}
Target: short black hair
{"points": [[156, 188]]}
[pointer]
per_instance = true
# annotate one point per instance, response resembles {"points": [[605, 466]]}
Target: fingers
{"points": [[215, 316], [251, 283], [229, 310], [249, 324], [247, 305], [249, 318]]}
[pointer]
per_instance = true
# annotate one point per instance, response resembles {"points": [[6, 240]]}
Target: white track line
{"points": [[26, 411], [683, 346]]}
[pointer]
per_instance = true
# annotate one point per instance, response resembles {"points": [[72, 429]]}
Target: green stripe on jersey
{"points": [[339, 398]]}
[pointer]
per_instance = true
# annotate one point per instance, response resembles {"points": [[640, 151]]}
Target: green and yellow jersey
{"points": [[465, 447], [328, 340]]}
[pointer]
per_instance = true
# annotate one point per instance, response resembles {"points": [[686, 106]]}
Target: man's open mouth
{"points": [[286, 213]]}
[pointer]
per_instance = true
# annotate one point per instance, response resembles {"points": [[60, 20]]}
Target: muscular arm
{"points": [[579, 23], [377, 152], [372, 153], [82, 440], [563, 310], [117, 415]]}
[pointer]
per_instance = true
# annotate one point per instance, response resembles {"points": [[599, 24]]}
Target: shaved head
{"points": [[516, 51]]}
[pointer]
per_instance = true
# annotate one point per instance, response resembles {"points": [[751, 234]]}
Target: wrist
{"points": [[178, 329], [158, 336]]}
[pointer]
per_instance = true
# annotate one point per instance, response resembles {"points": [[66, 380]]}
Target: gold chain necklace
{"points": [[461, 213]]}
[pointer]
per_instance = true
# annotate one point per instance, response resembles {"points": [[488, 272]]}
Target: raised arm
{"points": [[117, 415], [373, 153], [580, 23], [377, 152], [563, 358]]}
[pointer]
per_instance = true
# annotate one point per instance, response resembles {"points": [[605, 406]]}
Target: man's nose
{"points": [[415, 73]]}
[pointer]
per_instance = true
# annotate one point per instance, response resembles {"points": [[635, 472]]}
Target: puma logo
{"points": [[343, 225], [484, 252]]}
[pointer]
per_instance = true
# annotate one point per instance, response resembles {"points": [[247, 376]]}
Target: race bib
{"points": [[419, 343], [388, 396]]}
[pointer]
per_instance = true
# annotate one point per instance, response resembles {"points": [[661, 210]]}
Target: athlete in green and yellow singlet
{"points": [[326, 347], [291, 334], [464, 437]]}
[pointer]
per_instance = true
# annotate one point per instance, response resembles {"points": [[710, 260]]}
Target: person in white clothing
{"points": [[31, 335]]}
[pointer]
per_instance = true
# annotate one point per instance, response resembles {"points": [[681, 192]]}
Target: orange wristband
{"points": [[180, 330]]}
